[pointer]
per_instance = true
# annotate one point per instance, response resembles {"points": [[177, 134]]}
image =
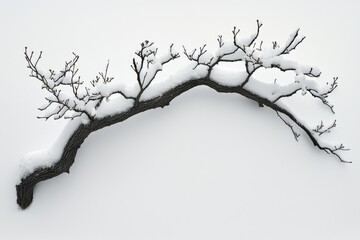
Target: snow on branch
{"points": [[59, 102], [307, 86], [68, 96], [149, 64], [85, 99], [255, 55], [292, 43]]}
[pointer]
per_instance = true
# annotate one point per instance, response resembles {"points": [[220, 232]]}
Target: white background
{"points": [[209, 166]]}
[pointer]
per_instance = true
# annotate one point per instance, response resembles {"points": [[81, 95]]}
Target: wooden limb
{"points": [[25, 188], [27, 184]]}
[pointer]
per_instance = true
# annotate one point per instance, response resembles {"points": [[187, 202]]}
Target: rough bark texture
{"points": [[26, 187]]}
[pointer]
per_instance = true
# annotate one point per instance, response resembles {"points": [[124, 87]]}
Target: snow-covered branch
{"points": [[101, 101], [255, 56], [149, 64], [70, 97], [197, 55], [59, 101]]}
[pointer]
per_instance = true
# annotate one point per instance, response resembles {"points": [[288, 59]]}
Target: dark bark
{"points": [[26, 187]]}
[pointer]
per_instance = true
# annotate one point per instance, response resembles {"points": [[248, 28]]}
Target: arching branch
{"points": [[73, 98]]}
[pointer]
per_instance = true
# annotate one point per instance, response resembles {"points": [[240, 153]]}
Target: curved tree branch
{"points": [[85, 102]]}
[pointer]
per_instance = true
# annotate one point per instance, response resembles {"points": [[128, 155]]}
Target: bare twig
{"points": [[296, 135], [196, 56]]}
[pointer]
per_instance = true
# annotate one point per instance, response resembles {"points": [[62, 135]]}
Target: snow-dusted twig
{"points": [[149, 64], [321, 93], [320, 129], [293, 42], [58, 102], [196, 56]]}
